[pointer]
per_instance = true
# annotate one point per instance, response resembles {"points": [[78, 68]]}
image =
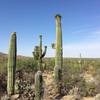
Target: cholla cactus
{"points": [[11, 64], [38, 85], [38, 54], [59, 54]]}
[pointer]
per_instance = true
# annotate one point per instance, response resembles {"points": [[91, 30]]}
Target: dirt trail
{"points": [[88, 77], [49, 92], [69, 97]]}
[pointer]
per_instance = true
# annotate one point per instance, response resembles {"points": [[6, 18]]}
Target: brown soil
{"points": [[49, 92]]}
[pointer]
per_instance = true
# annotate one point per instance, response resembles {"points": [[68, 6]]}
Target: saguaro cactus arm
{"points": [[36, 53], [53, 45], [44, 53], [33, 53]]}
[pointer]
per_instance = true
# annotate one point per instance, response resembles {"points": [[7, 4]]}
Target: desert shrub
{"points": [[3, 65], [3, 82], [50, 63], [91, 89], [26, 64], [73, 77], [97, 80]]}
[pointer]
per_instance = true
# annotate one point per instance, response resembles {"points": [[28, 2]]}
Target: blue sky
{"points": [[29, 18]]}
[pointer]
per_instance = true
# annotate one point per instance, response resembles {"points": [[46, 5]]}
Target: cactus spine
{"points": [[59, 55], [38, 85], [39, 53], [11, 64]]}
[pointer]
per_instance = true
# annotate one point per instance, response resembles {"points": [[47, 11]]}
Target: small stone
{"points": [[5, 97], [13, 97], [97, 97]]}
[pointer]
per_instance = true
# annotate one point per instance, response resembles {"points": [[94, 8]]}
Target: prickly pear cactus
{"points": [[11, 64]]}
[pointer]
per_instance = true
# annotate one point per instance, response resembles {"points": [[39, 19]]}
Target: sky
{"points": [[29, 18]]}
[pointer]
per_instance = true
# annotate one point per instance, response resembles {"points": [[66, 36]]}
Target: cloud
{"points": [[88, 50]]}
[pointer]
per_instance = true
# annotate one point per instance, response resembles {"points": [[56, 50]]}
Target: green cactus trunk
{"points": [[58, 58], [80, 62], [38, 85], [40, 53], [11, 64]]}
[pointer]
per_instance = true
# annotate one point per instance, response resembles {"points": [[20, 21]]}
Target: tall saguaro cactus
{"points": [[58, 60], [39, 53], [59, 54], [80, 61], [11, 64], [38, 85]]}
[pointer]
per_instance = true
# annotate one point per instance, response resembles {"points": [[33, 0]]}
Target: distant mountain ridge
{"points": [[4, 55]]}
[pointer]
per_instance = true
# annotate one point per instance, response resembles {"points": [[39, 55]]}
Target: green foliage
{"points": [[25, 63], [71, 72], [73, 76], [50, 63], [3, 64]]}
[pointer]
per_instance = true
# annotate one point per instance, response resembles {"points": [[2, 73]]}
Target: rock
{"points": [[76, 97], [71, 97], [68, 97], [88, 98], [97, 97], [5, 97], [14, 97]]}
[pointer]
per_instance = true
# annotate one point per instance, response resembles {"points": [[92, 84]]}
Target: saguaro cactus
{"points": [[80, 62], [38, 85], [39, 53], [59, 54], [36, 53], [58, 41], [11, 64]]}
